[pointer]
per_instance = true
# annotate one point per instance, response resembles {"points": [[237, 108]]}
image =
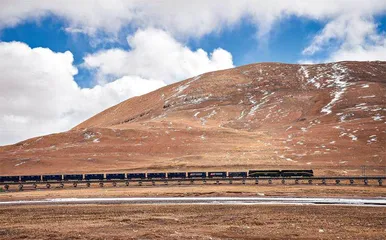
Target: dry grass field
{"points": [[124, 221], [200, 190]]}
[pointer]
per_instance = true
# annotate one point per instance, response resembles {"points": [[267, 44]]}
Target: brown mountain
{"points": [[328, 117]]}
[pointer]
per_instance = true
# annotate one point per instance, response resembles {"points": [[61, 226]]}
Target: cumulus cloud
{"points": [[155, 54], [39, 95], [365, 52], [194, 18], [353, 37], [348, 23]]}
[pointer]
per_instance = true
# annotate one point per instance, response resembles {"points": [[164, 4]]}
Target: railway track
{"points": [[326, 180]]}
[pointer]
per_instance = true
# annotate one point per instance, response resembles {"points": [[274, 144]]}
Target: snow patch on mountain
{"points": [[339, 81]]}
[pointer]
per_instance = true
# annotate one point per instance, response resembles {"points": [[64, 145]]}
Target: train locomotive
{"points": [[158, 175]]}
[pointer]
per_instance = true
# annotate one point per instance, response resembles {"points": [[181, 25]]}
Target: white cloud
{"points": [[349, 23], [38, 94], [352, 37], [155, 54], [366, 52], [181, 18]]}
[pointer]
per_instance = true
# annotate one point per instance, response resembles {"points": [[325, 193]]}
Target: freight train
{"points": [[157, 175]]}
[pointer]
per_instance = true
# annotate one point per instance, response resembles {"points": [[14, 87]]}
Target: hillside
{"points": [[328, 117]]}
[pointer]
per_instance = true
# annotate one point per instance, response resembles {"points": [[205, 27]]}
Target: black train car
{"points": [[297, 173], [136, 175], [9, 178], [31, 178], [196, 174], [113, 176], [73, 177], [52, 177], [264, 173], [237, 174], [156, 175], [217, 174], [177, 175], [94, 176]]}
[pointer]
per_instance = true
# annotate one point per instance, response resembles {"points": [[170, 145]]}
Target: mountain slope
{"points": [[329, 117]]}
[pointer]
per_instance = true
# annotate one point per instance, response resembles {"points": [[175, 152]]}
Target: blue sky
{"points": [[285, 43], [49, 32], [63, 63]]}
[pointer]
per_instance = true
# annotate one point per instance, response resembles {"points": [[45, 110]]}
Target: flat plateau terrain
{"points": [[201, 191], [184, 221], [124, 221]]}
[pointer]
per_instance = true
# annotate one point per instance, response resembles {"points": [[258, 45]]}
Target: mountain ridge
{"points": [[326, 116]]}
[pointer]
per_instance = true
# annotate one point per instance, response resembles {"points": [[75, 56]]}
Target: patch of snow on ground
{"points": [[242, 114], [205, 119], [96, 140], [372, 139], [288, 128], [88, 135], [377, 109], [256, 106], [200, 100], [361, 106], [304, 71], [251, 100], [353, 137], [182, 87], [18, 164], [342, 134], [197, 77], [182, 96], [372, 96], [378, 117], [339, 83], [365, 85], [345, 116], [286, 158]]}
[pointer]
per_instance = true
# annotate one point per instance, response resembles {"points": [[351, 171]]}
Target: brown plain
{"points": [[124, 221]]}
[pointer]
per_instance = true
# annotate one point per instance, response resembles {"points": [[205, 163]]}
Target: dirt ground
{"points": [[201, 190], [183, 221], [123, 221]]}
